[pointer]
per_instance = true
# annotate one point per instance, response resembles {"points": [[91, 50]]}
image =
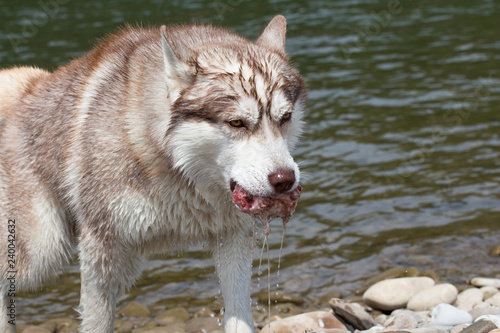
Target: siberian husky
{"points": [[158, 138]]}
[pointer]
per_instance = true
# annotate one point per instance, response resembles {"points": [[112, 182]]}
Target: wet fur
{"points": [[127, 151]]}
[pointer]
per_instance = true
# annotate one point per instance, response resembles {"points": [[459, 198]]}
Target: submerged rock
{"points": [[495, 251], [173, 315], [133, 309]]}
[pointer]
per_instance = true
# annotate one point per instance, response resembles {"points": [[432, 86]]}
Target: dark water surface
{"points": [[401, 156]]}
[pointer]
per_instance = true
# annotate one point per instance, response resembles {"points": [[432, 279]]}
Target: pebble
{"points": [[482, 282], [482, 326], [430, 297], [469, 298], [402, 319], [478, 312], [448, 315], [394, 294], [495, 319], [312, 321], [353, 313], [488, 291]]}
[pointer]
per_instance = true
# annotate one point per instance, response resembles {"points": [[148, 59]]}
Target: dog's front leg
{"points": [[108, 267], [233, 256]]}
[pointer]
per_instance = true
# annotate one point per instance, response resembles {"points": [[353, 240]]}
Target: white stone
{"points": [[482, 282], [493, 301], [469, 298], [448, 315], [488, 291], [394, 294], [494, 319], [430, 297]]}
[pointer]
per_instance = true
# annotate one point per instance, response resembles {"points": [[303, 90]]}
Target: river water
{"points": [[400, 157]]}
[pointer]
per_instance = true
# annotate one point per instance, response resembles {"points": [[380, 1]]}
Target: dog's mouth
{"points": [[267, 208]]}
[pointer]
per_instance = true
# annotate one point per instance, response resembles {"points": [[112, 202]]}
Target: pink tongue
{"points": [[267, 208]]}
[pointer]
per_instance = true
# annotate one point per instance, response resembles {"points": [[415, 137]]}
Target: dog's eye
{"points": [[237, 123], [286, 117]]}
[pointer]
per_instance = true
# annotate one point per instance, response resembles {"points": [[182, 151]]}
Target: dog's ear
{"points": [[273, 36], [175, 68]]}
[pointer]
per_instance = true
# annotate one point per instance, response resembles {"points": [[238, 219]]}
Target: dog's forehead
{"points": [[258, 78]]}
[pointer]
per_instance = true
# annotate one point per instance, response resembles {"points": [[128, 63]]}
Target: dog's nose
{"points": [[282, 180]]}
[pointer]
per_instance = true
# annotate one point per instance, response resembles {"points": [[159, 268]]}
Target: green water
{"points": [[401, 155]]}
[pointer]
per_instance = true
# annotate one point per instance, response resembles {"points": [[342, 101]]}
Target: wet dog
{"points": [[156, 139]]}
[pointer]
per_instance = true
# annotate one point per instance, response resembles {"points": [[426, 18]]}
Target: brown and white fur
{"points": [[134, 148]]}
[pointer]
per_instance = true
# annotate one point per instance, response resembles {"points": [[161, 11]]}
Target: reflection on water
{"points": [[401, 157]]}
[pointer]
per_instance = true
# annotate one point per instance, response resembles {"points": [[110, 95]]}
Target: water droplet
{"points": [[277, 285], [258, 279], [221, 245], [321, 323], [222, 311], [219, 321]]}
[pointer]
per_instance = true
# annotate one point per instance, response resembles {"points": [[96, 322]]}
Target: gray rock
{"points": [[428, 298], [459, 328], [394, 294], [480, 327], [448, 315], [402, 319], [352, 313], [495, 319]]}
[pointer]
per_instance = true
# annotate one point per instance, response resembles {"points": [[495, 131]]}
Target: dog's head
{"points": [[236, 109]]}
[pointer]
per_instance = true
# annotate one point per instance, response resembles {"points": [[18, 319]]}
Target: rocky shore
{"points": [[390, 302]]}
